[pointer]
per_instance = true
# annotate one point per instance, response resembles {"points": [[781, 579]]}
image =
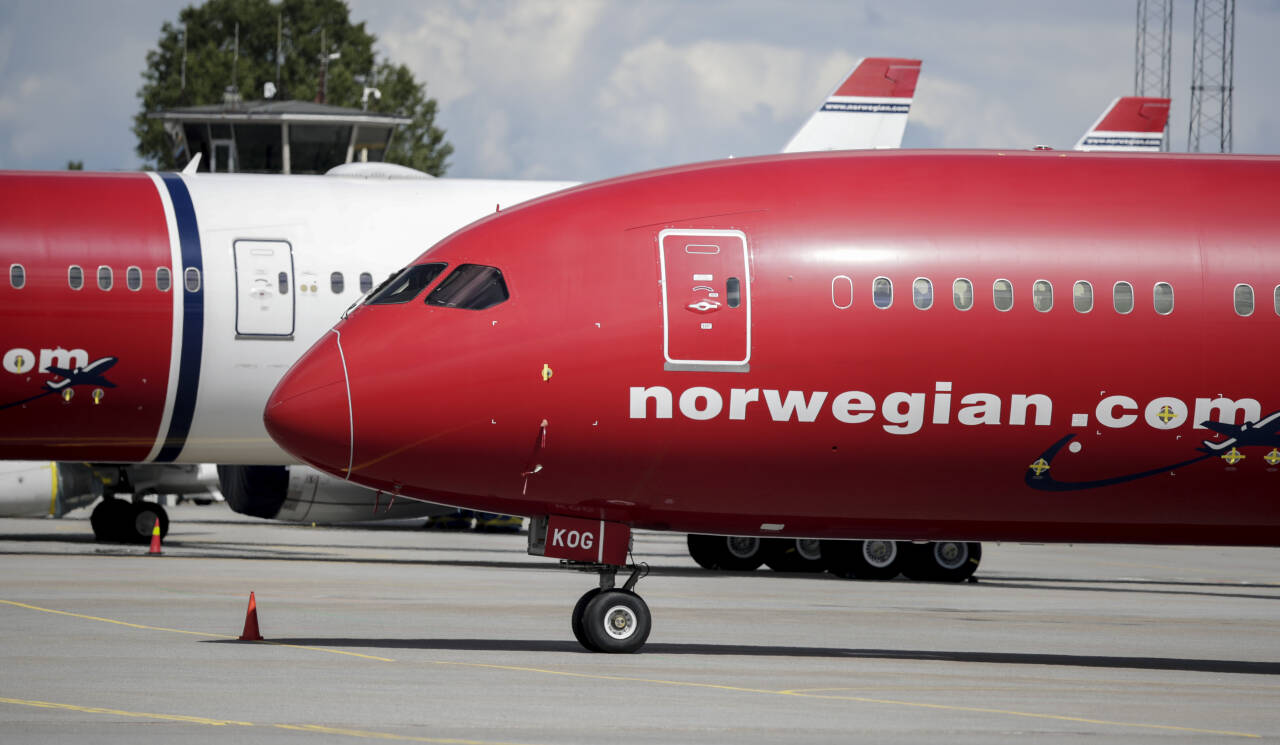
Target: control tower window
{"points": [[406, 284], [17, 276], [470, 287], [336, 283], [104, 278]]}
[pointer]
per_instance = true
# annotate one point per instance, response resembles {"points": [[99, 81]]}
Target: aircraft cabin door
{"points": [[706, 300], [264, 289]]}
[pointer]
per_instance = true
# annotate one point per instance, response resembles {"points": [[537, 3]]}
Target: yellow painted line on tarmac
{"points": [[122, 713], [866, 700], [206, 634]]}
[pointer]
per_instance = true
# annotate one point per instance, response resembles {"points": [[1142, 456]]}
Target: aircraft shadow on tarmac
{"points": [[747, 650]]}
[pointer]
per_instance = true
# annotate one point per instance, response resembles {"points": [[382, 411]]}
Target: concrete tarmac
{"points": [[414, 636]]}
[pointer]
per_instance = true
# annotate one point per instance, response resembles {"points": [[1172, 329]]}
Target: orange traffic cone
{"points": [[155, 540], [251, 633]]}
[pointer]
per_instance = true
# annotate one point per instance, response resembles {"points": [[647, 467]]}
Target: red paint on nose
{"points": [[309, 412]]}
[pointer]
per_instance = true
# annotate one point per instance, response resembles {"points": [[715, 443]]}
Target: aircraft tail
{"points": [[867, 110], [1130, 124]]}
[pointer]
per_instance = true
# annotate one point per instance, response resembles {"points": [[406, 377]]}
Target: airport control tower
{"points": [[277, 136]]}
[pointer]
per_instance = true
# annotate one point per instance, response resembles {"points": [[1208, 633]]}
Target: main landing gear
{"points": [[608, 619], [118, 521]]}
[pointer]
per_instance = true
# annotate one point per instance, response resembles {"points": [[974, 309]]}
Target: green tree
{"points": [[211, 67]]}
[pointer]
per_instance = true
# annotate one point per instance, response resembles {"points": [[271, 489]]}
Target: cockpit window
{"points": [[405, 284], [470, 287]]}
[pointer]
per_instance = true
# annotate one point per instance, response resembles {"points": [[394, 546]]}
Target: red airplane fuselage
{"points": [[910, 345]]}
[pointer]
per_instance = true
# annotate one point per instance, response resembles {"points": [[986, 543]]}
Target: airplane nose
{"points": [[309, 412]]}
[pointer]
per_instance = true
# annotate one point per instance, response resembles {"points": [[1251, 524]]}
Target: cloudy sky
{"points": [[578, 89]]}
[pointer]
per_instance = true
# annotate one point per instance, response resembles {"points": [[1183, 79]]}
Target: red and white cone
{"points": [[251, 633]]}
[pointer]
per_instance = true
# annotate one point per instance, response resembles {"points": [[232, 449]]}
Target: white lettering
{"points": [[738, 400], [979, 408], [588, 540], [903, 422], [19, 361], [1105, 416], [1018, 408], [640, 397], [557, 538], [844, 406], [1165, 412], [689, 403], [795, 403], [1225, 410], [942, 403], [67, 359]]}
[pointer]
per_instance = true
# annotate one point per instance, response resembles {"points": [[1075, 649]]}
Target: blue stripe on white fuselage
{"points": [[184, 404]]}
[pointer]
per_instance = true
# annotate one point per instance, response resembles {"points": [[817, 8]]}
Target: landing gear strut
{"points": [[607, 619]]}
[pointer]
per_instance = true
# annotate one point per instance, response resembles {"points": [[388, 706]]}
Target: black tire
{"points": [[732, 553], [141, 520], [576, 620], [874, 560], [952, 561], [109, 520], [794, 555], [616, 621]]}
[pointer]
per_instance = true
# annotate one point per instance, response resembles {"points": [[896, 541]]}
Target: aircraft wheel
{"points": [[577, 620], [109, 520], [142, 519], [734, 553], [945, 561], [794, 555], [616, 621], [878, 560]]}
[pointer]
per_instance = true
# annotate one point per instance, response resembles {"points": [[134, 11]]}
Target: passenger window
{"points": [[133, 278], [1163, 296], [75, 277], [282, 281], [18, 276], [162, 279], [192, 276], [1275, 299], [1082, 297], [366, 282], [1042, 295], [477, 287], [732, 291], [336, 283], [882, 292], [1002, 294], [104, 278], [1122, 297], [962, 294], [1244, 300], [842, 291], [405, 284], [922, 293]]}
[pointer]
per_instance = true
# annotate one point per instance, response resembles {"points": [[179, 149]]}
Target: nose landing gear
{"points": [[607, 619]]}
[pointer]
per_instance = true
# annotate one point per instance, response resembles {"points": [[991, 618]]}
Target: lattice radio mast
{"points": [[1153, 53], [1212, 64]]}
